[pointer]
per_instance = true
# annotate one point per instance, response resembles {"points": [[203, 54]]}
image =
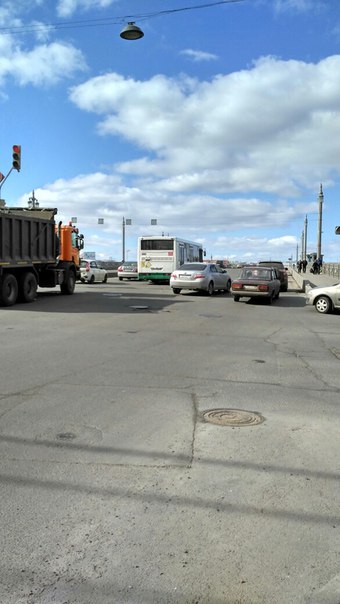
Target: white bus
{"points": [[158, 257]]}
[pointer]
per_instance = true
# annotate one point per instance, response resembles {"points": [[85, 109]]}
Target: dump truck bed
{"points": [[27, 236]]}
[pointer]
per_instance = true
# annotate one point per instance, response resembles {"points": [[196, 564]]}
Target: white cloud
{"points": [[66, 8], [269, 127], [45, 64], [198, 55], [299, 5]]}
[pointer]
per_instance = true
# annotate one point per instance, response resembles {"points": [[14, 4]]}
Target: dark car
{"points": [[257, 282], [283, 272]]}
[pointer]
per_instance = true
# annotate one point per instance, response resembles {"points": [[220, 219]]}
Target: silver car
{"points": [[127, 270], [324, 299], [199, 276]]}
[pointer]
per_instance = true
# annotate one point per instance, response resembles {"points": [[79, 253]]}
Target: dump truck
{"points": [[35, 251]]}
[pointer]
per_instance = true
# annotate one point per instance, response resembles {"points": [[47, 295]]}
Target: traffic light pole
{"points": [[4, 179]]}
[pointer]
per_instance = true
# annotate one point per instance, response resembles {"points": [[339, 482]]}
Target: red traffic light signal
{"points": [[17, 157]]}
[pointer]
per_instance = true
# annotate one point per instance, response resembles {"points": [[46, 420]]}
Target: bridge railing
{"points": [[331, 268]]}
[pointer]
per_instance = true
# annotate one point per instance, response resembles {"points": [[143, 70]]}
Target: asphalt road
{"points": [[114, 487]]}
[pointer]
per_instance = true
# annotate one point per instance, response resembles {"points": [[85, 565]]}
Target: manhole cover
{"points": [[233, 417], [139, 307], [65, 436]]}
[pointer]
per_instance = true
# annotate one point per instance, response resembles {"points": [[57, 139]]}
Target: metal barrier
{"points": [[331, 269]]}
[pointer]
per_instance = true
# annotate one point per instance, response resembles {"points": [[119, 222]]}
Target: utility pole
{"points": [[123, 240], [319, 255], [306, 226], [302, 244], [33, 202], [126, 221]]}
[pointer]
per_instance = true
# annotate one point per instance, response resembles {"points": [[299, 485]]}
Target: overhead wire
{"points": [[36, 27]]}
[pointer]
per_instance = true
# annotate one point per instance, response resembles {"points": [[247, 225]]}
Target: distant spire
{"points": [[321, 191]]}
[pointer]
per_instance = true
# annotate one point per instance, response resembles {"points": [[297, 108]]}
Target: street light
{"points": [[131, 32]]}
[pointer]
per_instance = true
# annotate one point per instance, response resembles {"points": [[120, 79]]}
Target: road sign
{"points": [[337, 230]]}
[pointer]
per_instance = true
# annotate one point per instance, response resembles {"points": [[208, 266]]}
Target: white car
{"points": [[91, 271], [199, 276], [325, 298]]}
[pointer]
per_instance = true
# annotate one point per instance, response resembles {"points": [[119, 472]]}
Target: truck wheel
{"points": [[8, 290], [68, 286], [28, 287]]}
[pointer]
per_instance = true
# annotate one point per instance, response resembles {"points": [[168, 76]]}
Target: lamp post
{"points": [[305, 250], [320, 222], [125, 222]]}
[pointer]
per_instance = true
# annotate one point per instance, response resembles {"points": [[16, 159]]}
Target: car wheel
{"points": [[271, 298], [91, 280], [228, 286], [277, 295], [82, 280], [176, 290], [105, 279], [210, 289], [120, 278], [236, 298], [323, 304]]}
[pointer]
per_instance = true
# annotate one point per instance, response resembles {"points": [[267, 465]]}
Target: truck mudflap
{"points": [[51, 277]]}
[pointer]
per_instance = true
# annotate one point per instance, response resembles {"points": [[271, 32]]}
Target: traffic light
{"points": [[337, 230], [17, 157]]}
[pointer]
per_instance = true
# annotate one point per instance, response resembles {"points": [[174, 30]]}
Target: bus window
{"points": [[157, 244]]}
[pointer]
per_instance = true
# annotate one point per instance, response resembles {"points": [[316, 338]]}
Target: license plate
{"points": [[250, 287], [185, 277]]}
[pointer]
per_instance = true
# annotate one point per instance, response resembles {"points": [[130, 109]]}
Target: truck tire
{"points": [[8, 290], [27, 287], [67, 288]]}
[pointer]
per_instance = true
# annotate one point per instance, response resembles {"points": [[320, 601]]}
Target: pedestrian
{"points": [[315, 267], [299, 266], [304, 265]]}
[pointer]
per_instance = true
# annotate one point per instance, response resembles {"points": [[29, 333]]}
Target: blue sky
{"points": [[221, 122]]}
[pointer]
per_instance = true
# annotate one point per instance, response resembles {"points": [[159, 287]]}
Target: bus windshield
{"points": [[157, 244]]}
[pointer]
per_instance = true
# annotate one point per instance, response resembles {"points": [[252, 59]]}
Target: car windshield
{"points": [[256, 273], [192, 267]]}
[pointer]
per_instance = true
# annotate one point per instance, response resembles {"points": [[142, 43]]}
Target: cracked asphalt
{"points": [[115, 490]]}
